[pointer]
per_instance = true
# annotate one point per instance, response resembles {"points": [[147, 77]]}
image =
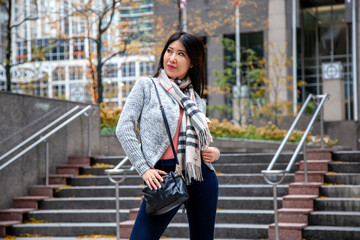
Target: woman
{"points": [[180, 80]]}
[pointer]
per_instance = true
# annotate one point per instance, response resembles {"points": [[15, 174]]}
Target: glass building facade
{"points": [[325, 36]]}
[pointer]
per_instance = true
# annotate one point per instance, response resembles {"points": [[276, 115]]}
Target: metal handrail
{"points": [[117, 176], [38, 133], [270, 172], [30, 125], [44, 139]]}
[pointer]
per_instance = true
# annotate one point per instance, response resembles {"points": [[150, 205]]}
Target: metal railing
{"points": [[117, 176], [45, 138], [275, 177]]}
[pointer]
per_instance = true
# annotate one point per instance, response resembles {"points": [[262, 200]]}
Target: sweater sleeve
{"points": [[127, 124]]}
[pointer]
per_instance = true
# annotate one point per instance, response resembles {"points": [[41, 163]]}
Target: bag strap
{"points": [[166, 122]]}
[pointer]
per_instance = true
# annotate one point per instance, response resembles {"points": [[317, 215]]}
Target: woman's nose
{"points": [[172, 57]]}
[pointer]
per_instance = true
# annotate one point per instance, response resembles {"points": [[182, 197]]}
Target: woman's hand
{"points": [[210, 154], [152, 178]]}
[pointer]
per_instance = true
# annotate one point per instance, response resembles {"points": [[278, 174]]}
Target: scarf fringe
{"points": [[193, 173], [205, 139]]}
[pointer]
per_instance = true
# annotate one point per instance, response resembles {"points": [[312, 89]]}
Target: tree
{"points": [[100, 16], [105, 36], [13, 22], [265, 79]]}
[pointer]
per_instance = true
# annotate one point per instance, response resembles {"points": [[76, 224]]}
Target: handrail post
{"points": [[276, 212], [274, 184], [322, 127], [46, 162], [117, 180], [117, 210], [305, 164], [89, 133]]}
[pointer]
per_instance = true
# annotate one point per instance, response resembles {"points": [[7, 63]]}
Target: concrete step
{"points": [[174, 230], [102, 237], [93, 180], [331, 232], [224, 158], [78, 215], [255, 157], [248, 167], [60, 179], [228, 178], [109, 215], [343, 178], [344, 167], [28, 201], [259, 203], [251, 190], [344, 191], [4, 225], [97, 191], [248, 203], [332, 218], [42, 190], [14, 214], [67, 229], [136, 190], [219, 167], [89, 203], [233, 231], [346, 156], [337, 204]]}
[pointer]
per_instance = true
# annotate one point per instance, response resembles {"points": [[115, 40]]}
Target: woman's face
{"points": [[176, 60]]}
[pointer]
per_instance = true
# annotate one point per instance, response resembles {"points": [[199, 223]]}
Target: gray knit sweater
{"points": [[142, 108]]}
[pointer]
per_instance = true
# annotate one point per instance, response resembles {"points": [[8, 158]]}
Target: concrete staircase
{"points": [[328, 205], [336, 212], [81, 201]]}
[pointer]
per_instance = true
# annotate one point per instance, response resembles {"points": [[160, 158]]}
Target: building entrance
{"points": [[325, 38]]}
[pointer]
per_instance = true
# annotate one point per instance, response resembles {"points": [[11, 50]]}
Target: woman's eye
{"points": [[181, 54], [168, 50]]}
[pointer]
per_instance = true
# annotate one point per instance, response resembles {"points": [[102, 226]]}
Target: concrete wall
{"points": [[110, 146], [20, 117]]}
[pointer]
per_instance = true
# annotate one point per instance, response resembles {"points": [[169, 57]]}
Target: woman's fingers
{"points": [[152, 178], [210, 154]]}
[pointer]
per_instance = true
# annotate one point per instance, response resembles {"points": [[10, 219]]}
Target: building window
{"points": [[110, 71], [111, 90], [79, 49], [75, 73], [128, 69], [126, 88], [58, 74], [21, 51], [58, 91], [146, 68]]}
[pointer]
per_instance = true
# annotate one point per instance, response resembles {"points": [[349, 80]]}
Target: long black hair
{"points": [[196, 52]]}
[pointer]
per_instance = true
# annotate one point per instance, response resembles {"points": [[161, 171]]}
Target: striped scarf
{"points": [[194, 133]]}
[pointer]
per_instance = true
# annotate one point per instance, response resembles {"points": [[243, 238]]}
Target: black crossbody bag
{"points": [[173, 191]]}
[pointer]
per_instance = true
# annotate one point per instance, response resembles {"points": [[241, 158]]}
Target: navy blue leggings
{"points": [[201, 209]]}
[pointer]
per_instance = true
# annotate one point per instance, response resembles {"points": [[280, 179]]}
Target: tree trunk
{"points": [[99, 66], [8, 50], [180, 17]]}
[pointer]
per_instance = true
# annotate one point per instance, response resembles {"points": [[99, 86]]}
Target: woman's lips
{"points": [[171, 67]]}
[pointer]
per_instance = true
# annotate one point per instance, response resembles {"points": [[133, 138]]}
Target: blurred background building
{"points": [[324, 44], [50, 54]]}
